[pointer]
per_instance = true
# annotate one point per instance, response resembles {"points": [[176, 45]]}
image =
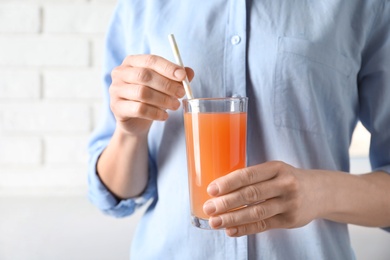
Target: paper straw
{"points": [[176, 53]]}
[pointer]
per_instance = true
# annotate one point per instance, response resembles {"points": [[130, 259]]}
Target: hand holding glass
{"points": [[215, 131]]}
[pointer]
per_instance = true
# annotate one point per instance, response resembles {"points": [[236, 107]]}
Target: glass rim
{"points": [[216, 98]]}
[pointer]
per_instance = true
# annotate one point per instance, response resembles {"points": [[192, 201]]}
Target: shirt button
{"points": [[235, 39]]}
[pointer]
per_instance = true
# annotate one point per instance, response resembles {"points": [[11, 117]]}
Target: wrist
{"points": [[138, 133], [325, 188]]}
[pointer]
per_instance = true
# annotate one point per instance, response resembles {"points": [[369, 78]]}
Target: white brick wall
{"points": [[19, 18], [85, 18], [19, 84], [72, 84], [44, 51], [20, 151], [50, 59], [50, 91]]}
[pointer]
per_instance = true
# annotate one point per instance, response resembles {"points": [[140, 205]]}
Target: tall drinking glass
{"points": [[215, 131]]}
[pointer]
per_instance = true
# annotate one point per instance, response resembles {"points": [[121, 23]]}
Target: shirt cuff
{"points": [[385, 168], [100, 196]]}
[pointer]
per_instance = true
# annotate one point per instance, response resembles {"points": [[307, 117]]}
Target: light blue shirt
{"points": [[311, 70]]}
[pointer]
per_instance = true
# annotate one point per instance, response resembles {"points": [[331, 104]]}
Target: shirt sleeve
{"points": [[374, 91], [98, 193]]}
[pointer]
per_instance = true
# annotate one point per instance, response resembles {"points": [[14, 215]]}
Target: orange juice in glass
{"points": [[215, 131]]}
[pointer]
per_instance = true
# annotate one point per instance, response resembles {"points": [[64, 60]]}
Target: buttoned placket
{"points": [[235, 85], [235, 50]]}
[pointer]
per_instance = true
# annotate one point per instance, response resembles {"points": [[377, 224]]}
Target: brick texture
{"points": [[38, 118], [20, 151], [50, 89], [65, 150], [44, 51], [19, 84], [18, 18], [72, 84], [77, 18]]}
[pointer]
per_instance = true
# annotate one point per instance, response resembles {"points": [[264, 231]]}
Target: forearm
{"points": [[357, 199], [123, 165]]}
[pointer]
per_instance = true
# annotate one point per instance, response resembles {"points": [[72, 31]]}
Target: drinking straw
{"points": [[179, 61]]}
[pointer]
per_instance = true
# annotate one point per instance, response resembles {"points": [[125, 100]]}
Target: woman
{"points": [[311, 70]]}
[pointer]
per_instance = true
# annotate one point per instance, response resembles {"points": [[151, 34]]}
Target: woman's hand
{"points": [[262, 197], [143, 88]]}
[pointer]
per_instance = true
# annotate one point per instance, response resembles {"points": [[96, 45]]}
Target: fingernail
{"points": [[180, 74], [213, 189], [209, 208], [215, 222], [232, 231]]}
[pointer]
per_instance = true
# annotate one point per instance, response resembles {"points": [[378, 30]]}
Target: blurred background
{"points": [[50, 97]]}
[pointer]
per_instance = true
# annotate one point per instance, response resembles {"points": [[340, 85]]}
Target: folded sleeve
{"points": [[98, 193], [100, 196], [374, 91]]}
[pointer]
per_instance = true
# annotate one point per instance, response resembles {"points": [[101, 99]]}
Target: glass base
{"points": [[200, 222]]}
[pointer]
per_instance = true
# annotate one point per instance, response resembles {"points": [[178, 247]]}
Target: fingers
{"points": [[244, 177], [145, 73], [247, 195], [256, 218], [144, 86], [137, 101], [247, 215], [277, 221], [256, 227], [149, 78], [157, 64], [266, 196], [146, 95], [124, 110]]}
